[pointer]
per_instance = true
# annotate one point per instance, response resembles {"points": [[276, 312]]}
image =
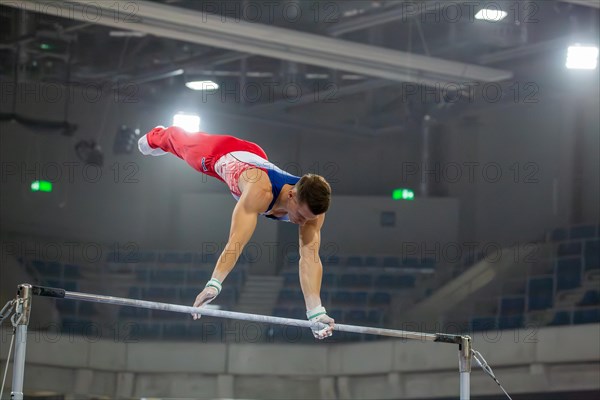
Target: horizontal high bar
{"points": [[153, 305]]}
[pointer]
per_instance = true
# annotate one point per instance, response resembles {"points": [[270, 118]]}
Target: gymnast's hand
{"points": [[206, 296], [319, 314]]}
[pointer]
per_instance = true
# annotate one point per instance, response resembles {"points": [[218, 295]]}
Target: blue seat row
{"points": [[513, 305], [541, 293], [348, 298], [176, 258], [387, 261], [592, 254], [70, 286], [72, 271], [371, 261], [483, 323], [79, 326], [170, 275], [575, 232], [569, 249], [577, 251], [206, 258], [352, 316], [561, 318], [294, 334], [357, 281], [588, 315], [568, 273], [493, 323], [290, 296], [228, 295], [128, 256], [339, 298], [541, 290], [134, 312], [47, 269], [201, 332], [66, 307], [590, 298], [582, 316], [167, 275]]}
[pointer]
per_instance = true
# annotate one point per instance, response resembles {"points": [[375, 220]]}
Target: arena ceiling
{"points": [[364, 56]]}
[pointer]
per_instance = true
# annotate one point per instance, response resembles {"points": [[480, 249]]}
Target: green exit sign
{"points": [[41, 186], [403, 194]]}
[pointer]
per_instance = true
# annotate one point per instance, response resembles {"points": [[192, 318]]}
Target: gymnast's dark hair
{"points": [[315, 192]]}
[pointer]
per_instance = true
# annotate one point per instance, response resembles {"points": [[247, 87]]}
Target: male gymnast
{"points": [[260, 188]]}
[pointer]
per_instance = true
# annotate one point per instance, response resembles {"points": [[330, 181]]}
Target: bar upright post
{"points": [[21, 318], [464, 363]]}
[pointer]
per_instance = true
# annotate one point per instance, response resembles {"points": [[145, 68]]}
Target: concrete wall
{"points": [[354, 224], [526, 361], [513, 169]]}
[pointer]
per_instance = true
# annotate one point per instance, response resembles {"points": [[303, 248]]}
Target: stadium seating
{"points": [[356, 289], [576, 256]]}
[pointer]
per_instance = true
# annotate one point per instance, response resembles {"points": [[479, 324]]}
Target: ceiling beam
{"points": [[291, 122], [206, 60], [587, 3], [558, 44], [404, 11], [202, 28], [330, 92]]}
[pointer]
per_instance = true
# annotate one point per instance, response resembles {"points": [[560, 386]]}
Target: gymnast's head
{"points": [[309, 198]]}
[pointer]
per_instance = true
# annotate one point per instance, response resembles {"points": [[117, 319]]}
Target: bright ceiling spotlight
{"points": [[582, 57], [202, 85], [188, 122], [490, 14]]}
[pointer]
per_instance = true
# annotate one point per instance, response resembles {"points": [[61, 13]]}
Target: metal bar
{"points": [[465, 385], [464, 365], [21, 316], [19, 363], [26, 291], [247, 317]]}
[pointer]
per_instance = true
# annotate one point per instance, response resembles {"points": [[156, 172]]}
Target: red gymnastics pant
{"points": [[199, 149]]}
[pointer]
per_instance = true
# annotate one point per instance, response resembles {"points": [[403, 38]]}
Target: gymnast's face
{"points": [[298, 213]]}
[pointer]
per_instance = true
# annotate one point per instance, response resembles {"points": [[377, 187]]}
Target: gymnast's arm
{"points": [[311, 272], [311, 269], [254, 200]]}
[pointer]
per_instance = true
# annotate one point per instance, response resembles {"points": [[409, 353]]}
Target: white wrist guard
{"points": [[214, 283], [315, 313]]}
